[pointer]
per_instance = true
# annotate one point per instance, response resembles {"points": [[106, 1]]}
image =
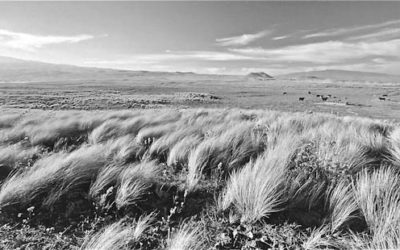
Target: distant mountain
{"points": [[17, 70], [259, 75], [342, 75]]}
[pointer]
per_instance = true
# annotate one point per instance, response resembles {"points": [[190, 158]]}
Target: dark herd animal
{"points": [[325, 98]]}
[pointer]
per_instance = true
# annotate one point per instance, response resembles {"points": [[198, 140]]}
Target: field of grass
{"points": [[147, 90], [197, 179]]}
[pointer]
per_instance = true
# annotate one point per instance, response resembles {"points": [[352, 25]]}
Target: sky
{"points": [[206, 37]]}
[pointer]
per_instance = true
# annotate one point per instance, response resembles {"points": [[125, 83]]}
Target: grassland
{"points": [[139, 90], [210, 178]]}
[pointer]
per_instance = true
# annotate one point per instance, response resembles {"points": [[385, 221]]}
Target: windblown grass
{"points": [[134, 182], [378, 196], [54, 176], [256, 190], [333, 171], [341, 204], [119, 235], [186, 237]]}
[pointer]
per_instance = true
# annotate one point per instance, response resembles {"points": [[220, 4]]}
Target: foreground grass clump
{"points": [[256, 190], [119, 235], [378, 196], [199, 179]]}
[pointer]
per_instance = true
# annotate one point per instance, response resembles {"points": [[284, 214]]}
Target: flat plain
{"points": [[125, 90]]}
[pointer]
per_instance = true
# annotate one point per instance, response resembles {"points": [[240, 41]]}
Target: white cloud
{"points": [[325, 52], [280, 37], [172, 56], [242, 39], [384, 34], [30, 42], [349, 30]]}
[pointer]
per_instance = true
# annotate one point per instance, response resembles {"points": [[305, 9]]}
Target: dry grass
{"points": [[256, 190], [186, 237], [259, 163], [134, 182], [55, 176], [378, 197], [341, 204], [119, 235]]}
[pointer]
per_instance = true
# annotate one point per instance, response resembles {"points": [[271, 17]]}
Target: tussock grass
{"points": [[56, 175], [179, 153], [186, 237], [11, 155], [341, 204], [378, 197], [394, 148], [154, 132], [319, 239], [339, 169], [126, 149], [116, 128], [163, 145], [134, 182], [119, 235], [108, 177], [8, 120], [256, 190], [227, 151]]}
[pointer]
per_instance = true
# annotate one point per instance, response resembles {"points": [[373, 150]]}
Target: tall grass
{"points": [[339, 168], [119, 235], [341, 204], [179, 153], [256, 190], [134, 182], [378, 197], [54, 176], [394, 139], [10, 155], [187, 237], [229, 150]]}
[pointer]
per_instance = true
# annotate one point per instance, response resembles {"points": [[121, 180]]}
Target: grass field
{"points": [[126, 90], [173, 178]]}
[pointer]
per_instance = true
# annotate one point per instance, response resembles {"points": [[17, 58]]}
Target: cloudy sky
{"points": [[206, 37]]}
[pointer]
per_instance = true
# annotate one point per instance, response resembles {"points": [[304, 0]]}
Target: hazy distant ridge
{"points": [[343, 75]]}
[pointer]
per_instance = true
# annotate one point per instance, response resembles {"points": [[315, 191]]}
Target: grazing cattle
{"points": [[324, 98], [284, 93], [318, 95], [301, 98], [382, 98], [330, 95], [385, 95], [309, 92]]}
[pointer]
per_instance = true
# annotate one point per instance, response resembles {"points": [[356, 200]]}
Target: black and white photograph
{"points": [[197, 125]]}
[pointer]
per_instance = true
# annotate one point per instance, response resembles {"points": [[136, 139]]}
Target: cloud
{"points": [[280, 37], [349, 30], [325, 52], [242, 39], [30, 42], [385, 34], [173, 56]]}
